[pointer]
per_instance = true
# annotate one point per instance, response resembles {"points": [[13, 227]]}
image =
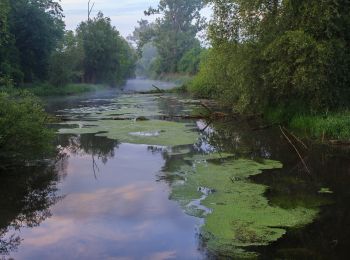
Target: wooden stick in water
{"points": [[296, 149]]}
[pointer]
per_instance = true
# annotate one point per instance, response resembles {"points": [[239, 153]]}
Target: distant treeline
{"points": [[34, 47]]}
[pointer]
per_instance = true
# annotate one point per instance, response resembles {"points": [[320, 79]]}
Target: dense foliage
{"points": [[173, 35], [267, 53], [96, 53], [23, 131], [30, 31], [35, 47], [107, 56]]}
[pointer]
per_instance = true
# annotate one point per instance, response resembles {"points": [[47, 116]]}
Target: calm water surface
{"points": [[107, 200]]}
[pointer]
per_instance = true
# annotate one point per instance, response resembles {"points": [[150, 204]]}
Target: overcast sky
{"points": [[124, 13]]}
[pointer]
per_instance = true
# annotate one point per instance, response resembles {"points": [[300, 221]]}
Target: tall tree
{"points": [[175, 32], [280, 51], [108, 58], [37, 27]]}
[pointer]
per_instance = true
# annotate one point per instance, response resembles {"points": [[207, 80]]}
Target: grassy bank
{"points": [[320, 126], [69, 89]]}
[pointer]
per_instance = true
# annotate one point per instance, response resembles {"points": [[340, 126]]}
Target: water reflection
{"points": [[26, 196], [88, 144], [123, 214]]}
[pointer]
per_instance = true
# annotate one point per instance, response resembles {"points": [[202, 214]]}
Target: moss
{"points": [[241, 215]]}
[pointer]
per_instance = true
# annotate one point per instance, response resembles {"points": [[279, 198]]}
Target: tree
{"points": [[23, 131], [66, 62], [174, 34], [281, 52], [108, 58], [37, 27]]}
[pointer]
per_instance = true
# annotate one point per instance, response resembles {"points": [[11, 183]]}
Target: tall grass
{"points": [[330, 126]]}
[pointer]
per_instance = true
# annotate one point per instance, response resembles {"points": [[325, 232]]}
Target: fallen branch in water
{"points": [[295, 148], [206, 127], [158, 89], [296, 138]]}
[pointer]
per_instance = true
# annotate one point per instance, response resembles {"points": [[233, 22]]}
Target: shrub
{"points": [[23, 131]]}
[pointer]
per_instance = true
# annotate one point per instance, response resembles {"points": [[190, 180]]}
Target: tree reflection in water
{"points": [[88, 144], [98, 147], [26, 194]]}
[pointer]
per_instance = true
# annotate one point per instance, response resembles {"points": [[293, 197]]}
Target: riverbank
{"points": [[43, 90], [333, 127]]}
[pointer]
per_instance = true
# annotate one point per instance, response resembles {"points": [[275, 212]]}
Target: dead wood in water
{"points": [[296, 149], [296, 138], [158, 89]]}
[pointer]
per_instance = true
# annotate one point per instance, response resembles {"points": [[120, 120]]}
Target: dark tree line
{"points": [[35, 47]]}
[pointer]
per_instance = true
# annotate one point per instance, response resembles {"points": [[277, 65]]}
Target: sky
{"points": [[124, 13]]}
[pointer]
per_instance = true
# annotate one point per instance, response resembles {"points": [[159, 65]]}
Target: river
{"points": [[135, 180]]}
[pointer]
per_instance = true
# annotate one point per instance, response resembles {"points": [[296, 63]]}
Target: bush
{"points": [[23, 131]]}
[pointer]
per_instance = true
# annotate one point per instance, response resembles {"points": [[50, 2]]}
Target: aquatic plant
{"points": [[153, 132], [121, 120], [238, 215]]}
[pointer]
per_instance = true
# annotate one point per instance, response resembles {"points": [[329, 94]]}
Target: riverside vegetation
{"points": [[288, 59], [44, 58]]}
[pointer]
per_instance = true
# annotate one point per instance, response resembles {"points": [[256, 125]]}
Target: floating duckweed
{"points": [[125, 106], [240, 214], [115, 122], [138, 132]]}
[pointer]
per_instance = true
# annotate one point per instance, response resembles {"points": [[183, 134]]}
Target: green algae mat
{"points": [[152, 132], [237, 214], [120, 120]]}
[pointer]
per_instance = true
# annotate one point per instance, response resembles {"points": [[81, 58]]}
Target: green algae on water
{"points": [[153, 132], [119, 120], [239, 214], [123, 107]]}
